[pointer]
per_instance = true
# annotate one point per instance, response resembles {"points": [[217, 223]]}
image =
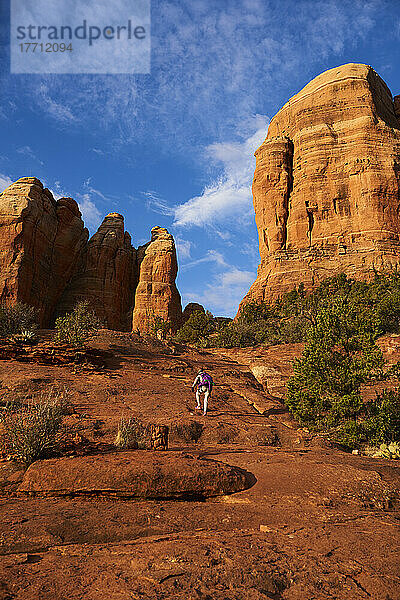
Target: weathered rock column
{"points": [[107, 276], [156, 293], [272, 186]]}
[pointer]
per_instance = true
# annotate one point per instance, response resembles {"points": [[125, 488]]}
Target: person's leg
{"points": [[206, 395], [198, 405]]}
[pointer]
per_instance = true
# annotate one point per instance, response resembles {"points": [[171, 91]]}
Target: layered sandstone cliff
{"points": [[41, 241], [326, 188], [107, 275], [156, 293], [47, 262]]}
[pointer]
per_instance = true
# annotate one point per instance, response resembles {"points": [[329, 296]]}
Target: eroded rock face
{"points": [[107, 275], [156, 293], [41, 241], [326, 188], [47, 262]]}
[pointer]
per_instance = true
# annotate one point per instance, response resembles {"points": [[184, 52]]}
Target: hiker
{"points": [[203, 384]]}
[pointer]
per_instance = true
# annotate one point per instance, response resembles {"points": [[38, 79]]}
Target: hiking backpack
{"points": [[207, 380]]}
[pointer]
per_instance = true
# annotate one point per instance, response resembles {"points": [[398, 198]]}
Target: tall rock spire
{"points": [[156, 293]]}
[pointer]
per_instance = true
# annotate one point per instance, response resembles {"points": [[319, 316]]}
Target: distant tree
{"points": [[197, 328]]}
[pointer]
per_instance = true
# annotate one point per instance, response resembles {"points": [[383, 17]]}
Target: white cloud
{"points": [[225, 291], [212, 256], [5, 181], [226, 284], [90, 213], [27, 151], [156, 203], [109, 200], [60, 111], [223, 59], [58, 191], [251, 251], [230, 195], [183, 247]]}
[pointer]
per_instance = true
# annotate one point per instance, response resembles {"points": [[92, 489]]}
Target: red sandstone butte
{"points": [[47, 262], [326, 186]]}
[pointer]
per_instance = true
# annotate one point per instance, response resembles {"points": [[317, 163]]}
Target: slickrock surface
{"points": [[311, 522], [327, 183], [41, 241], [156, 293], [107, 275]]}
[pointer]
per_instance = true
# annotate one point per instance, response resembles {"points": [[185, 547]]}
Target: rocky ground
{"points": [[257, 508]]}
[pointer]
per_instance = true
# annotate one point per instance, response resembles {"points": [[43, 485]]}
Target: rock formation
{"points": [[326, 187], [46, 261], [156, 293], [41, 241], [191, 308], [107, 275], [134, 474]]}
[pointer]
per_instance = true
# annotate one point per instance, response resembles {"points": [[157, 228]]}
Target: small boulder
{"points": [[133, 474]]}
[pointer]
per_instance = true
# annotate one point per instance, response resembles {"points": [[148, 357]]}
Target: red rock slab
{"points": [[134, 474]]}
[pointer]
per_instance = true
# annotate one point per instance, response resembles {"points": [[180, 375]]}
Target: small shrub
{"points": [[131, 434], [382, 423], [377, 423], [157, 326], [388, 451], [160, 328], [25, 337], [226, 434], [189, 432], [340, 355], [30, 431], [75, 328], [18, 319], [265, 438], [350, 434]]}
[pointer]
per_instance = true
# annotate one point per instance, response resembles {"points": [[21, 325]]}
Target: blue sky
{"points": [[175, 147]]}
